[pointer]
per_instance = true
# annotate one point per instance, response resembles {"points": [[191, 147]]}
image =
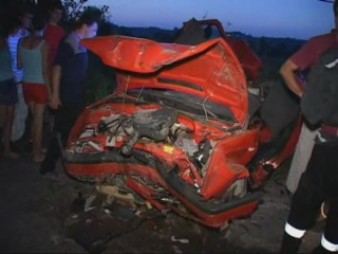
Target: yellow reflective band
{"points": [[168, 149], [294, 232], [328, 245]]}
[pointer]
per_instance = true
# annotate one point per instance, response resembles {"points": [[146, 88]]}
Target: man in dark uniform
{"points": [[68, 75], [294, 72], [319, 182]]}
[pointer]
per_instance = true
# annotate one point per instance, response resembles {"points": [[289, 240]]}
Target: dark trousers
{"points": [[65, 118], [318, 183]]}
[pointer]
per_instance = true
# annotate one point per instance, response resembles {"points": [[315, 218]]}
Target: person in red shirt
{"points": [[54, 33]]}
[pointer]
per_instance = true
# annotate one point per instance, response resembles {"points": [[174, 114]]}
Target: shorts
{"points": [[37, 93], [8, 92]]}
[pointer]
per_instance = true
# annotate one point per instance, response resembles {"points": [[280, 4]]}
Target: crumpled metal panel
{"points": [[209, 70]]}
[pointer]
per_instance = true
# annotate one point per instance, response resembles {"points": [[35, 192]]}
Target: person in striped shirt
{"points": [[18, 28]]}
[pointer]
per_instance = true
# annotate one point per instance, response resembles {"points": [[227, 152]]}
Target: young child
{"points": [[33, 58]]}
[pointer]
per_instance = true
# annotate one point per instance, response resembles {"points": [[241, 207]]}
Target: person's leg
{"points": [[305, 203], [8, 99], [31, 107], [28, 96], [53, 150], [329, 241], [65, 118], [304, 209], [37, 123], [7, 133], [301, 157], [20, 115]]}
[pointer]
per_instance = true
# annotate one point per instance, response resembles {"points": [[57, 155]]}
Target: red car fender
{"points": [[228, 161]]}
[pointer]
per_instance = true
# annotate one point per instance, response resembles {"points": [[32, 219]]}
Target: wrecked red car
{"points": [[181, 132]]}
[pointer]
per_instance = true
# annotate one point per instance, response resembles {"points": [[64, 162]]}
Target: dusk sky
{"points": [[276, 18]]}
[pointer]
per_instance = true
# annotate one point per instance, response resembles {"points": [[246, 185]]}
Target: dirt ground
{"points": [[39, 214]]}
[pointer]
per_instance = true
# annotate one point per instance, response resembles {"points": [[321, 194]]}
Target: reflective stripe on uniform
{"points": [[328, 245], [294, 232]]}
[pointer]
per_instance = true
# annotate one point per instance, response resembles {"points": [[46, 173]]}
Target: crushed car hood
{"points": [[209, 70]]}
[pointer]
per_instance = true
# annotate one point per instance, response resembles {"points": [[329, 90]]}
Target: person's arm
{"points": [[63, 55], [45, 69], [288, 73]]}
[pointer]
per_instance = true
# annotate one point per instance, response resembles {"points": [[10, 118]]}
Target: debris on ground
{"points": [[180, 240]]}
